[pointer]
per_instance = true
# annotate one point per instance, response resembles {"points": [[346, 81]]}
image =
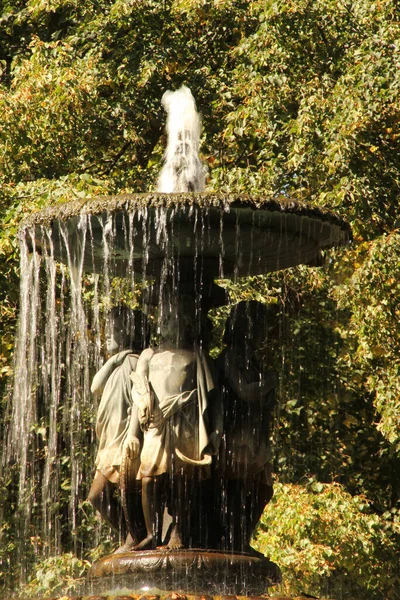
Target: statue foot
{"points": [[174, 542], [146, 544], [172, 545], [127, 546]]}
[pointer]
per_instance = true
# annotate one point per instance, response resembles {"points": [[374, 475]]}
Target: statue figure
{"points": [[180, 415], [248, 392], [114, 417]]}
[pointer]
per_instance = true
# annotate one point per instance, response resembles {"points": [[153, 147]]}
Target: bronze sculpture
{"points": [[180, 415], [248, 392], [114, 414]]}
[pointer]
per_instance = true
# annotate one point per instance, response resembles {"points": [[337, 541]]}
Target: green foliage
{"points": [[312, 108], [8, 303], [87, 96], [54, 575], [328, 542], [372, 295], [52, 96]]}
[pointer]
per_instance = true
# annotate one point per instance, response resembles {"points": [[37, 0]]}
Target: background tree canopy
{"points": [[300, 98]]}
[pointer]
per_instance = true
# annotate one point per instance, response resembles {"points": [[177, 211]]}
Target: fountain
{"points": [[193, 452]]}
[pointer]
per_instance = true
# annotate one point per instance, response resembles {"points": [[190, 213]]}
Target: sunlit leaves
{"points": [[56, 574], [372, 294], [316, 109], [326, 541], [52, 98]]}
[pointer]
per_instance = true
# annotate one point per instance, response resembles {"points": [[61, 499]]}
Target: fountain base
{"points": [[196, 572]]}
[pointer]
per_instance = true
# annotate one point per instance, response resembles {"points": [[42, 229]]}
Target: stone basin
{"points": [[233, 235]]}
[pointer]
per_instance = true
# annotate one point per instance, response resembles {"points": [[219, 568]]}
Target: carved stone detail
{"points": [[189, 571]]}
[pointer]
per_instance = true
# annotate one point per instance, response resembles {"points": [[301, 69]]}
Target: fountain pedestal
{"points": [[188, 571]]}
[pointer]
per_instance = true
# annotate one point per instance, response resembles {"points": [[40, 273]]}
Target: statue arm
{"points": [[216, 410], [217, 418], [132, 440], [143, 364], [134, 433], [249, 391], [100, 379]]}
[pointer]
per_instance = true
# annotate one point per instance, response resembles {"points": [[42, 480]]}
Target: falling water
{"points": [[59, 348], [50, 402]]}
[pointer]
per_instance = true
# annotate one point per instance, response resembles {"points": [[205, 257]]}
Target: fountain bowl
{"points": [[233, 235]]}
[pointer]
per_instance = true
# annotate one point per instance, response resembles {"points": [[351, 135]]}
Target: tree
{"points": [[298, 98]]}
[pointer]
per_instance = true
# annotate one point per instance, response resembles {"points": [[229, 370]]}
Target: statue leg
{"points": [[260, 496], [150, 503], [180, 511], [235, 537], [134, 519], [129, 544], [206, 526], [246, 500], [102, 498]]}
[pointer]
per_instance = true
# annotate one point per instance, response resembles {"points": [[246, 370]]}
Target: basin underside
{"points": [[224, 236], [192, 571]]}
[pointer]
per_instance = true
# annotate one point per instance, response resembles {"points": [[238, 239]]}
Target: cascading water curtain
{"points": [[59, 347], [22, 442], [50, 437]]}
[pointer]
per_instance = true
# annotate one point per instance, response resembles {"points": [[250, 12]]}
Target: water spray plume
{"points": [[183, 170]]}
